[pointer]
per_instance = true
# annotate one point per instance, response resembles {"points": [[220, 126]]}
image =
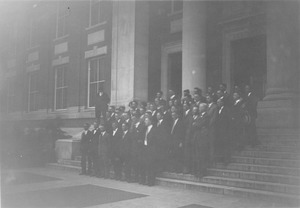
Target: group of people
{"points": [[183, 135]]}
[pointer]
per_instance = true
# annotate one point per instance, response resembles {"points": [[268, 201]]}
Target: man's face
{"points": [[125, 116], [185, 106], [222, 87], [158, 95], [142, 110], [159, 116], [202, 108], [220, 93], [102, 128], [156, 101], [117, 116], [147, 121], [152, 107], [124, 127], [95, 125], [236, 96], [220, 103], [208, 99], [209, 90], [195, 110], [114, 125], [174, 115], [86, 128], [196, 97]]}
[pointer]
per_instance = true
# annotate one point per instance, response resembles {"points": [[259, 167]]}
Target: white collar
{"points": [[172, 96], [249, 94]]}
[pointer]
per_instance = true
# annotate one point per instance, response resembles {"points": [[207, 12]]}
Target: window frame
{"points": [[11, 94], [99, 58], [63, 18], [64, 68], [34, 92], [99, 21]]}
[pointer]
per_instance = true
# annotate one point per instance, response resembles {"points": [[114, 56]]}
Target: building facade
{"points": [[55, 55]]}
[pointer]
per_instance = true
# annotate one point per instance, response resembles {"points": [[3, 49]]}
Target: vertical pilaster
{"points": [[129, 73], [194, 45], [279, 109]]}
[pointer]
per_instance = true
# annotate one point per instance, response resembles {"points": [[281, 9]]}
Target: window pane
{"points": [[58, 98], [59, 77], [93, 70], [95, 12], [178, 5], [101, 69], [93, 91], [64, 98]]}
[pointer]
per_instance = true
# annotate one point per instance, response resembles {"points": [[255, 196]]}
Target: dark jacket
{"points": [[94, 141], [115, 144], [101, 104], [104, 144], [85, 141]]}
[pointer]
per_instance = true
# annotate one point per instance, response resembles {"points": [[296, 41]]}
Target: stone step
{"points": [[268, 154], [57, 166], [275, 148], [78, 158], [285, 199], [266, 161], [250, 184], [69, 162], [259, 168], [266, 177], [278, 132], [237, 182], [281, 141]]}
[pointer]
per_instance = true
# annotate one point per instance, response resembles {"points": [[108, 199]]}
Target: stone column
{"points": [[194, 45], [129, 68], [279, 108]]}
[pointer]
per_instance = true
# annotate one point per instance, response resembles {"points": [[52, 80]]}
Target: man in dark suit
{"points": [[163, 130], [101, 106], [176, 143], [94, 148], [212, 114], [125, 151], [223, 142], [190, 143], [251, 106], [115, 152], [104, 151], [86, 139], [149, 148], [237, 128], [200, 133], [137, 130]]}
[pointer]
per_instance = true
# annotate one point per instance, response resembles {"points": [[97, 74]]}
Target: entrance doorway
{"points": [[175, 72], [248, 63]]}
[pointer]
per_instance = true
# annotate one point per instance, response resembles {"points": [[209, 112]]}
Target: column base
{"points": [[278, 114]]}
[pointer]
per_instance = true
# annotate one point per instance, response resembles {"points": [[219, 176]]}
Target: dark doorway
{"points": [[175, 72], [249, 63]]}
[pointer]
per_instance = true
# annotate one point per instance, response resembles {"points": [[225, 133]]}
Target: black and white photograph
{"points": [[150, 103]]}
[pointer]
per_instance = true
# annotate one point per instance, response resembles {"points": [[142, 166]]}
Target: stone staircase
{"points": [[269, 171]]}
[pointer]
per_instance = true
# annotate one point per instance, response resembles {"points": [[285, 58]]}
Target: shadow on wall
{"points": [[23, 145]]}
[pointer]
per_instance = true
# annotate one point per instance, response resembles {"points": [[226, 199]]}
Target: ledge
{"points": [[97, 25]]}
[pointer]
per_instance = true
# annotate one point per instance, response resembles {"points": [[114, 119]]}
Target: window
{"points": [[13, 40], [33, 91], [11, 94], [33, 33], [96, 12], [177, 6], [95, 77], [63, 12], [61, 87]]}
